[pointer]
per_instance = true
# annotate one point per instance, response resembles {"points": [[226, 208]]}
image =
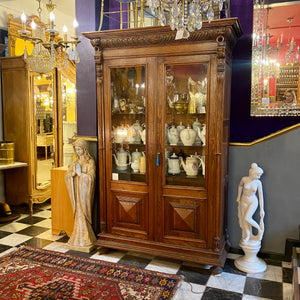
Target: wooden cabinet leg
{"points": [[102, 250], [216, 271], [30, 206]]}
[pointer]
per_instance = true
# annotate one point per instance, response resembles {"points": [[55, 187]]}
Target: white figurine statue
{"points": [[247, 205], [80, 182]]}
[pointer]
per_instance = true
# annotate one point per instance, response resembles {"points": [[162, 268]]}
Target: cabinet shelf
{"points": [[127, 114], [183, 180], [129, 175], [193, 114]]}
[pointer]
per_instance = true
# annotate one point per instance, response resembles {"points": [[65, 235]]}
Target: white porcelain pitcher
{"points": [[121, 159], [191, 165], [188, 136], [173, 165]]}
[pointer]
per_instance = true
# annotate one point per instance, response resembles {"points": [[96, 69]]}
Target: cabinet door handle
{"points": [[157, 158]]}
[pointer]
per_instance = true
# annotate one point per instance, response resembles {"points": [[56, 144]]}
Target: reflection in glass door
{"points": [[68, 98], [128, 123], [185, 127], [44, 127]]}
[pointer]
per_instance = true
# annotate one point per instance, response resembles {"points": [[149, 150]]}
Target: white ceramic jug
{"points": [[191, 165], [188, 136], [173, 165], [173, 136], [143, 135], [130, 138], [135, 166], [121, 159], [202, 134], [135, 155], [137, 127], [119, 134], [180, 127]]}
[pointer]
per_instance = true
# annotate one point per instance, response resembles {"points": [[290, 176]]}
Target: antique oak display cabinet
{"points": [[163, 130]]}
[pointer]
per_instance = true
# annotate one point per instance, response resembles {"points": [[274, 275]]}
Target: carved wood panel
{"points": [[185, 220], [129, 213]]}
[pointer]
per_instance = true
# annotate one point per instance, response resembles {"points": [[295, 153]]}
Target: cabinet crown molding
{"points": [[216, 31]]}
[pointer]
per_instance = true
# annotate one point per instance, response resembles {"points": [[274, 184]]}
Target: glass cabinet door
{"points": [[185, 124], [44, 104], [128, 123]]}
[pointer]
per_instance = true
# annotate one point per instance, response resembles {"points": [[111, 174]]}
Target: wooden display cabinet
{"points": [[146, 82]]}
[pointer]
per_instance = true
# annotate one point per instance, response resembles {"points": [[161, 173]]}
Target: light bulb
{"points": [[65, 31], [75, 25], [51, 17], [23, 19], [33, 25]]}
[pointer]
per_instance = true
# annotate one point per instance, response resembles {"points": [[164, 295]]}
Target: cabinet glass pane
{"points": [[44, 128], [128, 112], [185, 127], [68, 98]]}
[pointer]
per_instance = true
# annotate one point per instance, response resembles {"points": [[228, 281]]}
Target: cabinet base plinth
{"points": [[88, 249], [184, 253]]}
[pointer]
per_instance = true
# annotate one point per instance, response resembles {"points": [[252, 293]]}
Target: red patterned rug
{"points": [[31, 273]]}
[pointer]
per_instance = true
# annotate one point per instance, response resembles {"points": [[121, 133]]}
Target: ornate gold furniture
{"points": [[35, 109], [148, 83]]}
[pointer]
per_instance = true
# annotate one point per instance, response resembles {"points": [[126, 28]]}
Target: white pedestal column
{"points": [[250, 263]]}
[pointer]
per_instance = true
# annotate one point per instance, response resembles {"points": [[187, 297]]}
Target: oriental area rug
{"points": [[32, 273]]}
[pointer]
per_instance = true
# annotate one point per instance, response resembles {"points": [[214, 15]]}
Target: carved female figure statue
{"points": [[80, 182], [248, 203]]}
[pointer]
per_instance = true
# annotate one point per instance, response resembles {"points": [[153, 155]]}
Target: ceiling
{"points": [[64, 11]]}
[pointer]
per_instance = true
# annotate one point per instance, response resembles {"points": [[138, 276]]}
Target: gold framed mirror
{"points": [[45, 127], [275, 86]]}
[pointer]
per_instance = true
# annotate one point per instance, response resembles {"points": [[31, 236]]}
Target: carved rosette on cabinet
{"points": [[163, 125]]}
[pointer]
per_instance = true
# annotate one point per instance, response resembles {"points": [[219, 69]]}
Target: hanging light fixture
{"points": [[184, 15], [45, 41]]}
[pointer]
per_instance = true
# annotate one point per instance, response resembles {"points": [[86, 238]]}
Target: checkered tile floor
{"points": [[275, 283]]}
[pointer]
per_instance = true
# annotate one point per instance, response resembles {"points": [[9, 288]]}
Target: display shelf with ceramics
{"points": [[128, 123], [185, 128]]}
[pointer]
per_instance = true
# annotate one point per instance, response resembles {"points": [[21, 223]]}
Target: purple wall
{"points": [[86, 13], [243, 127]]}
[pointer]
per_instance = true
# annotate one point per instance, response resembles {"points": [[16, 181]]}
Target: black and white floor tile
{"points": [[275, 283]]}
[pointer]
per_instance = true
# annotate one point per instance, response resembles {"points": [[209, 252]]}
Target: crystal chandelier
{"points": [[45, 41], [184, 15]]}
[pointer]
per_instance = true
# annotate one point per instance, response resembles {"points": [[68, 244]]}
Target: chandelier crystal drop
{"points": [[184, 15]]}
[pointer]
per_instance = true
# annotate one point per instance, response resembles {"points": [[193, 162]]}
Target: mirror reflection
{"points": [[68, 96], [275, 59], [44, 129]]}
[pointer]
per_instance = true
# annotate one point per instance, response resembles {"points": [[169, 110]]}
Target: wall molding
{"points": [[267, 137]]}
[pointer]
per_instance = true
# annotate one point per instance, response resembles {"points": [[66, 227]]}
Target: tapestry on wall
{"points": [[31, 273]]}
